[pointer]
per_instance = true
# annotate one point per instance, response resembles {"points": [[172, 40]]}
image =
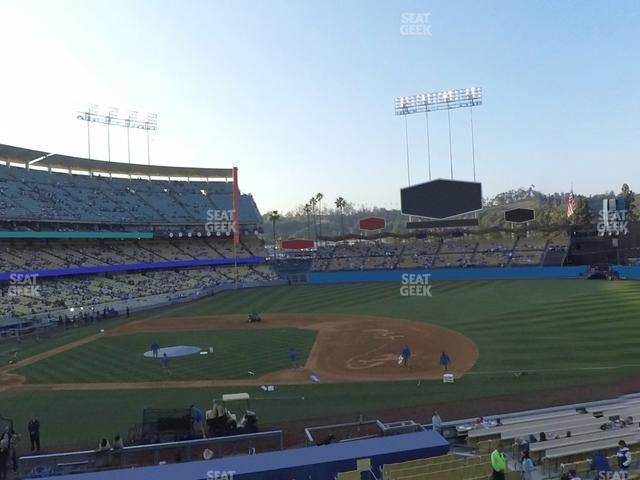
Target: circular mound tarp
{"points": [[178, 351]]}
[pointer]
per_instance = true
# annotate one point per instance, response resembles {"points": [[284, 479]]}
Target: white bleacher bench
{"points": [[582, 439], [594, 446]]}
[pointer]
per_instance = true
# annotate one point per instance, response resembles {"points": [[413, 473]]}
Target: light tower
{"points": [[444, 100], [111, 116]]}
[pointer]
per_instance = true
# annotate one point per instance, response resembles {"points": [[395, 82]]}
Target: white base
{"points": [[447, 378]]}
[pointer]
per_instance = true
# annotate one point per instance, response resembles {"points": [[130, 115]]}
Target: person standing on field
{"points": [[293, 356], [445, 360], [165, 360], [406, 355]]}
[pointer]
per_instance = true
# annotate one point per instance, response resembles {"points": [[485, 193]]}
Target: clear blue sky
{"points": [[299, 94]]}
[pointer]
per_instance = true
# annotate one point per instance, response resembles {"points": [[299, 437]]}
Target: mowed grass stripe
{"points": [[120, 359]]}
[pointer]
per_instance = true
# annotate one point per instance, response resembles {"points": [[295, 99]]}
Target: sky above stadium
{"points": [[300, 94]]}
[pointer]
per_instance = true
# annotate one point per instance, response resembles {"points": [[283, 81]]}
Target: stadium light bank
{"points": [[111, 116], [431, 102]]}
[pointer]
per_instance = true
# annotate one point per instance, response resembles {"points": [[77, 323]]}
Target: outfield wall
{"points": [[445, 274], [632, 272]]}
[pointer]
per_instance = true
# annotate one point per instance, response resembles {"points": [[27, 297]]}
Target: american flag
{"points": [[571, 205]]}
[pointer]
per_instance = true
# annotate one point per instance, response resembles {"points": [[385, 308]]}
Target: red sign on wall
{"points": [[297, 244], [372, 223]]}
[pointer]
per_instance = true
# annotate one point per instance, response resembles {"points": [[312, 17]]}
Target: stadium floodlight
{"points": [[444, 100], [111, 116], [435, 101]]}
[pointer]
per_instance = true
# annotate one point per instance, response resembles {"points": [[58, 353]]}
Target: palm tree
{"points": [[340, 204], [307, 210], [274, 216], [313, 202], [319, 198]]}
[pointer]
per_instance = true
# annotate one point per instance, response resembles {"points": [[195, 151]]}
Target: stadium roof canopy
{"points": [[20, 155], [34, 158]]}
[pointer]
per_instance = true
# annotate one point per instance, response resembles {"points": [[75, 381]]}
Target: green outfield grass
{"points": [[564, 332], [120, 359]]}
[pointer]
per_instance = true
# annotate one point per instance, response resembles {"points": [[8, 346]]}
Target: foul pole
{"points": [[236, 221]]}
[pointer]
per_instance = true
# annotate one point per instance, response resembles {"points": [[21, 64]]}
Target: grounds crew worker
{"points": [[498, 463]]}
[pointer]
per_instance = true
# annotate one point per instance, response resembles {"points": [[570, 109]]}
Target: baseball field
{"points": [[512, 344]]}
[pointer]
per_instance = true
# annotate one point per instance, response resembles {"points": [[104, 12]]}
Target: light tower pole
{"points": [[443, 100], [92, 114]]}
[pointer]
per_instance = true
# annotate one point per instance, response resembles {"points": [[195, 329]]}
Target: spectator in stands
{"points": [[498, 464], [104, 446], [600, 464], [405, 355], [528, 466], [542, 437], [118, 443], [13, 449], [445, 360], [327, 441], [573, 475], [4, 456], [570, 475], [436, 421], [34, 433], [216, 410], [623, 455]]}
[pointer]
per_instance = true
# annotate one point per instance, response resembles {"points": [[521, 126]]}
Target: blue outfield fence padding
{"points": [[630, 272], [446, 274]]}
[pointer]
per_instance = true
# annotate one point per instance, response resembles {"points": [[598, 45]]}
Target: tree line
{"points": [[319, 217]]}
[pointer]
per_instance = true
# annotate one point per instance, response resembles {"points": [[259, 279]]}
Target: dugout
{"points": [[312, 463]]}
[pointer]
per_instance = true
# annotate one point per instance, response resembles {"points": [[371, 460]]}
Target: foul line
{"points": [[552, 370]]}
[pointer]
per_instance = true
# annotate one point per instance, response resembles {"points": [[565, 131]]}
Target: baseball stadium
{"points": [[160, 319], [130, 302]]}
